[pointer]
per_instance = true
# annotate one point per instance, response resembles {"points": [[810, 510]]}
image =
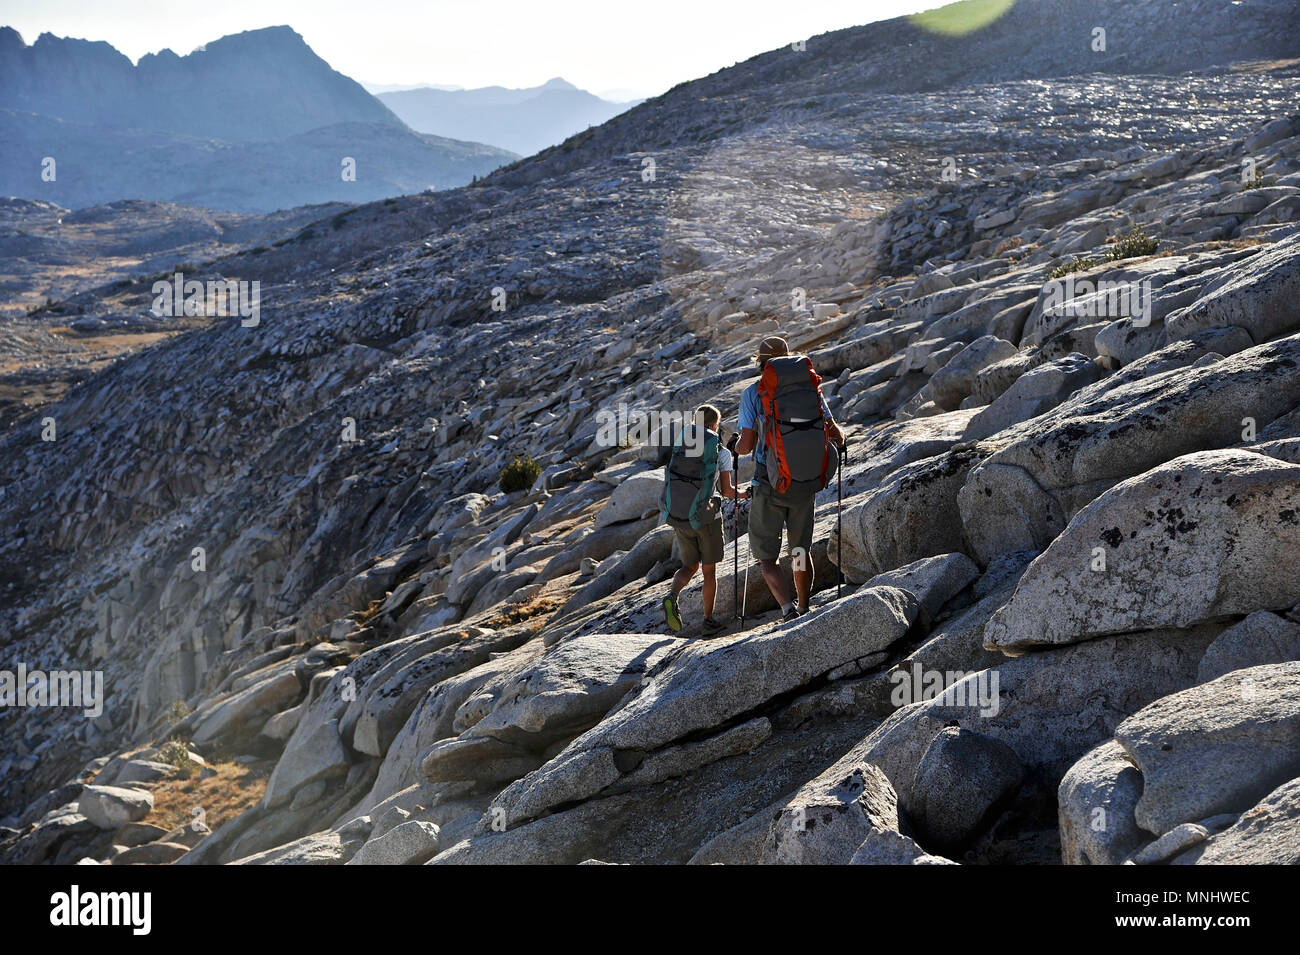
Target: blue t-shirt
{"points": [[751, 410]]}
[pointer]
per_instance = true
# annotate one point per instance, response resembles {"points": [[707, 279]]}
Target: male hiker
{"points": [[698, 467], [785, 423]]}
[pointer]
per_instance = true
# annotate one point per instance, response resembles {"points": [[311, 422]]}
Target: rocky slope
{"points": [[1069, 632], [59, 325]]}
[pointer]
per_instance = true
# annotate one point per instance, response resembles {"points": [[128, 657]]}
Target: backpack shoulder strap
{"points": [[707, 475]]}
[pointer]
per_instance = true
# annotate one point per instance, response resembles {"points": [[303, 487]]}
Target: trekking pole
{"points": [[744, 600], [839, 518], [744, 590], [735, 540]]}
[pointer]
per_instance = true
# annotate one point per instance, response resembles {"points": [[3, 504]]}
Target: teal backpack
{"points": [[688, 481]]}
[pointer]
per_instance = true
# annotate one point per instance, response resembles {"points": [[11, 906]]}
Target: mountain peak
{"points": [[277, 39], [270, 78], [557, 83]]}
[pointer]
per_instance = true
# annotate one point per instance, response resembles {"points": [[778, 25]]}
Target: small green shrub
{"points": [[176, 753], [1078, 264], [1136, 243], [519, 474], [178, 711]]}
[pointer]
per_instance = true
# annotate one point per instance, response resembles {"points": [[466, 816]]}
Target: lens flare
{"points": [[959, 19]]}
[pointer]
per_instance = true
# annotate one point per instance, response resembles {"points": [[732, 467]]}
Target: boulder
{"points": [[1047, 706], [887, 847], [1216, 747], [829, 818], [933, 581], [408, 843], [1114, 430], [317, 753], [143, 771], [1260, 296], [1203, 537], [638, 496], [246, 710], [52, 836], [433, 719], [502, 587], [596, 545], [1184, 353], [1266, 834], [1261, 638], [994, 379], [1097, 798], [138, 833], [633, 565], [1038, 390], [479, 759], [112, 807], [954, 381], [154, 853], [1172, 843], [960, 781], [705, 687], [912, 514], [742, 844], [386, 704], [568, 688], [320, 848]]}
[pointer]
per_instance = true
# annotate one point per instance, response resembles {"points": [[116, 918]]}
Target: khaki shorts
{"points": [[769, 513], [699, 547]]}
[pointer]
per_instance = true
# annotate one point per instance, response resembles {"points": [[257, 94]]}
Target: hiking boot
{"points": [[711, 626], [671, 615], [792, 614]]}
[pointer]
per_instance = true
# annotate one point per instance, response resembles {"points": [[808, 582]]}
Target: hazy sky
{"points": [[639, 46]]}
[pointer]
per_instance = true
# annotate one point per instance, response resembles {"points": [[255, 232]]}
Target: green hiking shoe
{"points": [[671, 615], [711, 626]]}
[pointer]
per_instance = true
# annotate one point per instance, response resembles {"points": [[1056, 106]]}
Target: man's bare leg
{"points": [[803, 581], [682, 578], [776, 581], [710, 588]]}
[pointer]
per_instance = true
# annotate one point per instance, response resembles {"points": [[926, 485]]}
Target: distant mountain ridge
{"points": [[217, 91], [251, 122], [521, 120]]}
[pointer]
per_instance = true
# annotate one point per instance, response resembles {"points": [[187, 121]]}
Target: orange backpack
{"points": [[799, 454]]}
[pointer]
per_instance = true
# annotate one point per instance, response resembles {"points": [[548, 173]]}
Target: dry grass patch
{"points": [[535, 606], [230, 789]]}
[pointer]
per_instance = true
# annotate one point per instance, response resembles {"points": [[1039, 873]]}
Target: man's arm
{"points": [[747, 423], [724, 483], [833, 430]]}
